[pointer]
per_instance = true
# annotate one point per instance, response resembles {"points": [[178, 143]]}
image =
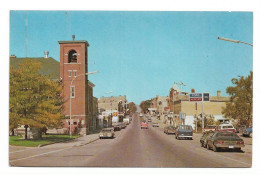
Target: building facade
{"points": [[76, 87]]}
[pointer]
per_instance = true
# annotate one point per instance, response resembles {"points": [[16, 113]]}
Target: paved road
{"points": [[132, 147]]}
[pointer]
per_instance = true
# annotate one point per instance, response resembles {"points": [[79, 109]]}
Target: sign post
{"points": [[200, 97]]}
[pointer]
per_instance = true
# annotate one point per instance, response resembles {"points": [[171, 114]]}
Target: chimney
{"points": [[46, 53], [73, 37], [192, 90], [218, 93]]}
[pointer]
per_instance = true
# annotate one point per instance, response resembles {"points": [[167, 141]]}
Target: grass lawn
{"points": [[18, 141]]}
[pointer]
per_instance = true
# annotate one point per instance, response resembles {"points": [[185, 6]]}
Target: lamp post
{"points": [[235, 41], [71, 93]]}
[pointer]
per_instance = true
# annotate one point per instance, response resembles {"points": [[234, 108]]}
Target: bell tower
{"points": [[73, 67]]}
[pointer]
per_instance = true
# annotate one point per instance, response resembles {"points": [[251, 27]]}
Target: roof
{"points": [[49, 65], [74, 41]]}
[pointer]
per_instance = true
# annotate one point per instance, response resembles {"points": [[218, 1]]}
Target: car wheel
{"points": [[215, 149], [208, 147], [190, 138]]}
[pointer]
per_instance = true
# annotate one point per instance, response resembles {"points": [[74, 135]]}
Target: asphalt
{"points": [[131, 147]]}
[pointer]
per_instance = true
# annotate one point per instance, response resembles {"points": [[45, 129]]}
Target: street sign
{"points": [[205, 96], [198, 97], [195, 97]]}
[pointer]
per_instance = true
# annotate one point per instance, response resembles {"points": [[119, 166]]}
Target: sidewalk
{"points": [[81, 141]]}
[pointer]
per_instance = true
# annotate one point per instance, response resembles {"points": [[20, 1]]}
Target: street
{"points": [[131, 147]]}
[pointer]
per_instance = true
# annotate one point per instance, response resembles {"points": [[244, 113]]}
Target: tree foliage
{"points": [[132, 107], [35, 100], [241, 105], [145, 105]]}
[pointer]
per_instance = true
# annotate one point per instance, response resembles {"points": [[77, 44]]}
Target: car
{"points": [[204, 138], [144, 125], [247, 132], [116, 126], [184, 131], [155, 124], [226, 127], [169, 129], [122, 125], [240, 128], [106, 133], [225, 140], [149, 120], [209, 128]]}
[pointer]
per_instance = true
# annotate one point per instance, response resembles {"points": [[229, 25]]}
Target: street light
{"points": [[235, 41], [71, 93]]}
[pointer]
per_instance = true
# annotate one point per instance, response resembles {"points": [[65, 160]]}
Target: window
{"points": [[75, 73], [72, 56], [72, 91], [74, 123], [70, 72]]}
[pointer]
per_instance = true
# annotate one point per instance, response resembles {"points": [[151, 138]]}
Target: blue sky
{"points": [[141, 54]]}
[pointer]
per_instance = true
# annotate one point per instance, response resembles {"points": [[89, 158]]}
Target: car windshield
{"points": [[225, 127], [185, 127], [226, 135]]}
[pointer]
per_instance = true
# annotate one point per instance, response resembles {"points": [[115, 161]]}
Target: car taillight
{"points": [[219, 142], [240, 142]]}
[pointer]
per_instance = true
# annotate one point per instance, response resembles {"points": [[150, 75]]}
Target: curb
{"points": [[41, 145], [83, 144]]}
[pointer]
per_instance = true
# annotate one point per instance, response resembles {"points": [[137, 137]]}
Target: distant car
{"points": [[226, 127], [247, 132], [225, 140], [116, 126], [155, 124], [122, 125], [204, 138], [209, 128], [169, 129], [107, 133], [149, 120], [240, 128], [144, 125], [184, 131]]}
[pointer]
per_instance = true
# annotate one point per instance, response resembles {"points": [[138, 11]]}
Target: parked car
{"points": [[209, 128], [116, 126], [155, 124], [226, 127], [107, 133], [169, 129], [225, 140], [184, 131], [149, 120], [247, 132], [122, 125], [144, 125], [204, 138], [240, 128]]}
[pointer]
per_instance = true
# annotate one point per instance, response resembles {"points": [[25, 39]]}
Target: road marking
{"points": [[39, 154], [19, 151]]}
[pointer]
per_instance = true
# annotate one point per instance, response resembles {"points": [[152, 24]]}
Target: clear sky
{"points": [[141, 54]]}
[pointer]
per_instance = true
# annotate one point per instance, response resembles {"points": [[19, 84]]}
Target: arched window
{"points": [[72, 56]]}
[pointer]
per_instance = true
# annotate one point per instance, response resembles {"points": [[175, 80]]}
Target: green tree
{"points": [[145, 105], [35, 100], [240, 106], [132, 107]]}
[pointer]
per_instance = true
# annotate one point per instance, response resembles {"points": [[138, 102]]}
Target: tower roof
{"points": [[74, 41]]}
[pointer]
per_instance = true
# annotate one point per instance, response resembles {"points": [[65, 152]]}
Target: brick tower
{"points": [[74, 66]]}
